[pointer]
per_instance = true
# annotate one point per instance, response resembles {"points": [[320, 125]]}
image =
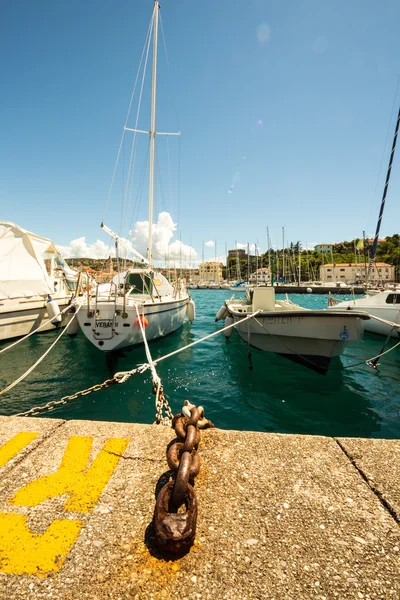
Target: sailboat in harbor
{"points": [[140, 299]]}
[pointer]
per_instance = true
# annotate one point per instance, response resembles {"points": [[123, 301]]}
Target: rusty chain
{"points": [[118, 378], [175, 512], [161, 404]]}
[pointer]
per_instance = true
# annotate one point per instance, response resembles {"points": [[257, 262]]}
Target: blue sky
{"points": [[284, 109]]}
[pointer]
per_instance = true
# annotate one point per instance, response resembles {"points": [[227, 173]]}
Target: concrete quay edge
{"points": [[280, 516]]}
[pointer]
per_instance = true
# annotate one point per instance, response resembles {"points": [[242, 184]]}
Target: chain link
{"points": [[161, 405], [118, 378], [174, 527]]}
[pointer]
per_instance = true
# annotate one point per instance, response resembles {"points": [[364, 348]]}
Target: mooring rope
{"points": [[33, 367], [35, 330]]}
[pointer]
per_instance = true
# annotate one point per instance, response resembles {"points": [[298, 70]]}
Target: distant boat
{"points": [[240, 286], [213, 286], [142, 296], [308, 337], [35, 283]]}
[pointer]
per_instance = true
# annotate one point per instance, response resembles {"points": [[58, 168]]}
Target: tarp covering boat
{"points": [[23, 271]]}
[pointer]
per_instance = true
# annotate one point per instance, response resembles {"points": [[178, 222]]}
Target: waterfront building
{"points": [[210, 271], [349, 273], [323, 248], [262, 275]]}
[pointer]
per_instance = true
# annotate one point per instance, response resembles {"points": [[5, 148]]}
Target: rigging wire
{"points": [[132, 158], [148, 35]]}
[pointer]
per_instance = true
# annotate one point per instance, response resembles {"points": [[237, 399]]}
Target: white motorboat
{"points": [[202, 286], [384, 305], [213, 286], [308, 337], [36, 283], [113, 318]]}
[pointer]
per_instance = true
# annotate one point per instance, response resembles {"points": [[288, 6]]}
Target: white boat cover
{"points": [[22, 262]]}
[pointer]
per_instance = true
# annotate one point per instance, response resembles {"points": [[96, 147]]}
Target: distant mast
{"points": [[378, 225], [152, 128]]}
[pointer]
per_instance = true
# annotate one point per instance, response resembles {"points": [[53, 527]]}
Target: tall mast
{"points": [[283, 253], [153, 127], [378, 225]]}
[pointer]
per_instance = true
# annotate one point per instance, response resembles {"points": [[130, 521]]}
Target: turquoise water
{"points": [[277, 395]]}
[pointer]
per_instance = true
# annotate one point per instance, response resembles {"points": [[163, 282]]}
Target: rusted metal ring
{"points": [[175, 532], [174, 453], [181, 480], [180, 424]]}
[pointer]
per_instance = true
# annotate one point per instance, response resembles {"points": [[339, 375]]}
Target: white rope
{"points": [[390, 323], [206, 337], [24, 375], [150, 361], [35, 330], [382, 353]]}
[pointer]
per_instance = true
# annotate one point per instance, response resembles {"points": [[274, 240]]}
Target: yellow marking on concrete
{"points": [[15, 445], [25, 553], [81, 483]]}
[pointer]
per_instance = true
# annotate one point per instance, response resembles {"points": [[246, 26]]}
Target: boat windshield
{"points": [[139, 284]]}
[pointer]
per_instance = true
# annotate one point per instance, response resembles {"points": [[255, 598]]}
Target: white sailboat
{"points": [[36, 283], [308, 337], [113, 318]]}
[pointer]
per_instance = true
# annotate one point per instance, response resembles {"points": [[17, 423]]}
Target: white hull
{"points": [[109, 331], [376, 306], [20, 317], [310, 339]]}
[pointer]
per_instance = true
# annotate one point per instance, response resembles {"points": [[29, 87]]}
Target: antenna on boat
{"points": [[378, 225]]}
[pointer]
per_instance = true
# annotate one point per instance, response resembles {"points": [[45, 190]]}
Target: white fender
{"points": [[53, 311], [222, 313], [73, 324], [191, 311], [228, 332], [309, 290]]}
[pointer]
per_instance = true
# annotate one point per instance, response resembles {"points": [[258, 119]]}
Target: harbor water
{"points": [[277, 395]]}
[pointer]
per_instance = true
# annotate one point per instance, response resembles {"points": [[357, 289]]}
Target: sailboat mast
{"points": [[378, 225], [153, 128]]}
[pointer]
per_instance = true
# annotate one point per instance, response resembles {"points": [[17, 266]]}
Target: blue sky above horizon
{"points": [[284, 110]]}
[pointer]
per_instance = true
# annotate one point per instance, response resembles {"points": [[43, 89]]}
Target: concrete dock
{"points": [[280, 516]]}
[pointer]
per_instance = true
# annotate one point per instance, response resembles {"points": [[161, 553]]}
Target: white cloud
{"points": [[163, 249], [209, 244]]}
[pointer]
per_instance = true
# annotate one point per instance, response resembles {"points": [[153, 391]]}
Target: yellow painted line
{"points": [[83, 484], [25, 553], [15, 445]]}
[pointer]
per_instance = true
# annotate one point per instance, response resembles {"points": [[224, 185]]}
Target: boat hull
{"points": [[376, 306], [109, 333], [17, 320], [309, 338]]}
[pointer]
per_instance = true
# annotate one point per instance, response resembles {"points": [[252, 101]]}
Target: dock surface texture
{"points": [[280, 516]]}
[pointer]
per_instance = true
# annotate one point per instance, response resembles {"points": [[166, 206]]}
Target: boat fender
{"points": [[53, 311], [222, 313], [73, 324], [309, 290], [228, 332], [142, 320], [191, 311]]}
